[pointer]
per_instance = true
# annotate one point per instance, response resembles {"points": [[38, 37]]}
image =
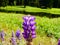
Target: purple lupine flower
{"points": [[59, 42], [18, 34], [29, 27], [13, 39], [2, 34]]}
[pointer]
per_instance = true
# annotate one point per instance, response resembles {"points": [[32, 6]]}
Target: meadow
{"points": [[47, 29]]}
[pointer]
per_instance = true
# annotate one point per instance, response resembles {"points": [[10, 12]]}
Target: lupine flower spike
{"points": [[13, 39], [2, 34], [2, 37], [29, 28], [59, 42], [18, 34]]}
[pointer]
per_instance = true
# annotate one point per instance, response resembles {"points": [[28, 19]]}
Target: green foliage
{"points": [[30, 9], [48, 26], [10, 21]]}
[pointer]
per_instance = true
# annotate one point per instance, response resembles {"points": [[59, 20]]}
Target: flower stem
{"points": [[29, 43]]}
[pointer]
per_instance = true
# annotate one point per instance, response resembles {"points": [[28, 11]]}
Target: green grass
{"points": [[31, 9], [44, 26]]}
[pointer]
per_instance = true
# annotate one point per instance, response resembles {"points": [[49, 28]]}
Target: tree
{"points": [[58, 4], [55, 3], [25, 3], [50, 3], [11, 2], [3, 2]]}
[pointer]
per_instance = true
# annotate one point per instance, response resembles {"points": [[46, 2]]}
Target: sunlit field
{"points": [[30, 9], [47, 29]]}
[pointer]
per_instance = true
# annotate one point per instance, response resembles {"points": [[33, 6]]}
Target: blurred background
{"points": [[34, 3], [46, 12]]}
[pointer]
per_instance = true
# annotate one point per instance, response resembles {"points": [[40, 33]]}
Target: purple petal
{"points": [[24, 23], [59, 42], [32, 18], [25, 35], [33, 28], [28, 23], [33, 36], [33, 33], [32, 23], [25, 27], [26, 18], [29, 28]]}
